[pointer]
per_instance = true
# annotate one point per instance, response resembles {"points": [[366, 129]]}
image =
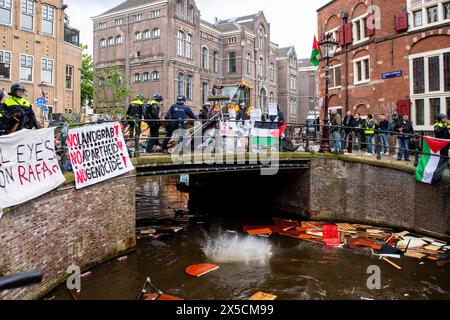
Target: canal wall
{"points": [[367, 192], [67, 227]]}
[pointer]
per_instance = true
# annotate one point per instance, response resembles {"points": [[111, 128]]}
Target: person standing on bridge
{"points": [[406, 130], [336, 126], [135, 112], [370, 128], [177, 115], [442, 131], [152, 110]]}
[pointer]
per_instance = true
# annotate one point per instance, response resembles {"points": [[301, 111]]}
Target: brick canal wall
{"points": [[65, 227], [347, 191]]}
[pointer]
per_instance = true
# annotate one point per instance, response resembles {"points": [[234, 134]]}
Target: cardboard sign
{"points": [[28, 166], [273, 109], [256, 115], [98, 153]]}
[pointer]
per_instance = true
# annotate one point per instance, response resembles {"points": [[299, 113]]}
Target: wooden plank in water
{"points": [[199, 270], [261, 296]]}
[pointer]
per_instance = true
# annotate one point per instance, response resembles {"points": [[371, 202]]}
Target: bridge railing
{"points": [[300, 137]]}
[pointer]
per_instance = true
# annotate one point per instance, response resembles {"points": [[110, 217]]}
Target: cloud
{"points": [[292, 22]]}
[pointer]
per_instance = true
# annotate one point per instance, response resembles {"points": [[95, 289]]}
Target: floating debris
{"points": [[199, 270], [261, 296]]}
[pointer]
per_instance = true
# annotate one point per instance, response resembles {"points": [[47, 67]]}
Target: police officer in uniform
{"points": [[152, 111], [19, 111], [442, 131], [3, 123], [135, 112], [178, 112]]}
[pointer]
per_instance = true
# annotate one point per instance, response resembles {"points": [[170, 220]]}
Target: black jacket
{"points": [[359, 124], [349, 123], [407, 127], [384, 126], [3, 122], [442, 131]]}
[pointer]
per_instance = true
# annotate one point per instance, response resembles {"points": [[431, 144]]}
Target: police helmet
{"points": [[16, 87], [181, 99], [140, 97], [158, 97], [441, 117]]}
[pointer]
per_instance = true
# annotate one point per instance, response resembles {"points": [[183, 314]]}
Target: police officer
{"points": [[152, 110], [442, 131], [135, 112], [3, 123], [18, 110], [177, 112]]}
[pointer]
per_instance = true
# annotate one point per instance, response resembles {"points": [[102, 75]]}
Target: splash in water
{"points": [[230, 247]]}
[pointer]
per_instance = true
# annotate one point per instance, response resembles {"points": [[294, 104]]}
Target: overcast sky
{"points": [[293, 22]]}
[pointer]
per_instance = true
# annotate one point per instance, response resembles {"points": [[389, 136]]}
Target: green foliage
{"points": [[87, 77], [111, 90]]}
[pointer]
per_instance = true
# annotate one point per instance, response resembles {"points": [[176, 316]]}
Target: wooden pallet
{"points": [[345, 227]]}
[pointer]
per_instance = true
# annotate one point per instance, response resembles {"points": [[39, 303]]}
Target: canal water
{"points": [[288, 268]]}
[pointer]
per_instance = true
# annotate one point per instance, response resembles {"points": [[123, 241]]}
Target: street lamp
{"points": [[328, 48]]}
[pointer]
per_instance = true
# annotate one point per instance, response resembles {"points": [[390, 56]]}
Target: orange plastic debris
{"points": [[261, 296], [259, 231], [199, 270]]}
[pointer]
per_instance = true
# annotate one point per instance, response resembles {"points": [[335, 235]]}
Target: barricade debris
{"points": [[383, 242]]}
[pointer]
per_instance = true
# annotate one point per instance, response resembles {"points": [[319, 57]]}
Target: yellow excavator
{"points": [[225, 94]]}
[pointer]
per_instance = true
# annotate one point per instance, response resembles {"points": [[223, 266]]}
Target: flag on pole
{"points": [[315, 53], [432, 165]]}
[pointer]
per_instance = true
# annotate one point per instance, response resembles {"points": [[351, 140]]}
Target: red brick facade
{"points": [[390, 48]]}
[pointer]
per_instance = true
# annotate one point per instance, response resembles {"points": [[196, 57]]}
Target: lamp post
{"points": [[327, 50]]}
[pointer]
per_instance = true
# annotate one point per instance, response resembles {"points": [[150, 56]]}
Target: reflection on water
{"points": [[291, 269]]}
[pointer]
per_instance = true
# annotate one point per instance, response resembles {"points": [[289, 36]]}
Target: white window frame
{"points": [[20, 68], [110, 42], [156, 33], [189, 87], [189, 46], [216, 62], [181, 36], [292, 107], [118, 22], [136, 17], [424, 8], [10, 63], [156, 75], [52, 70], [137, 36], [103, 43], [52, 21], [204, 64], [427, 95], [335, 35], [116, 39], [333, 70], [360, 20], [72, 76], [146, 35], [33, 16], [11, 13], [155, 13], [365, 78], [137, 77], [102, 25]]}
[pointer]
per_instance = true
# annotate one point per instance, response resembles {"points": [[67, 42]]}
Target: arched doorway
{"points": [[263, 100]]}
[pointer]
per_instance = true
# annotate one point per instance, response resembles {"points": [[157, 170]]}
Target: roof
{"points": [[326, 5], [283, 52], [129, 4], [302, 63]]}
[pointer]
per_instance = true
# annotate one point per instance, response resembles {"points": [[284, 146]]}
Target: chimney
{"points": [[216, 20]]}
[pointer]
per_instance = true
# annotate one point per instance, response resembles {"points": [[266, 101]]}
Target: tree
{"points": [[87, 77], [111, 90]]}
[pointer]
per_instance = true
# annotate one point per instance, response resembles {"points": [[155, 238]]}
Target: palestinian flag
{"points": [[266, 134], [432, 165], [315, 53]]}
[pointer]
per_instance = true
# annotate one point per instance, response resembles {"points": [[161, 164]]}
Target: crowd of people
{"points": [[359, 133], [149, 111]]}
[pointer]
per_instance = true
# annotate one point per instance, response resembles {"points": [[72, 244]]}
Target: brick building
{"points": [[403, 63], [308, 82], [40, 50], [165, 46]]}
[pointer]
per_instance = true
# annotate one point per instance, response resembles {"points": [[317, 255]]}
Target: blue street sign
{"points": [[41, 102], [393, 74]]}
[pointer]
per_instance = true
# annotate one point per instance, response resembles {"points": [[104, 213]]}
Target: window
{"points": [[48, 18], [155, 13], [5, 11], [359, 29], [136, 18], [111, 42], [432, 14], [138, 36], [155, 76], [447, 10], [248, 63], [434, 74], [216, 62], [293, 82], [263, 100], [27, 14], [102, 25], [189, 87], [145, 76], [430, 88], [261, 67], [189, 46], [119, 40], [191, 14], [204, 60], [26, 68], [271, 72], [180, 78], [47, 71], [418, 19], [232, 62], [5, 65], [181, 43], [361, 70], [156, 33], [146, 34], [137, 77], [69, 77], [335, 76], [118, 22], [102, 43], [420, 112], [272, 97], [179, 8], [204, 92], [293, 107]]}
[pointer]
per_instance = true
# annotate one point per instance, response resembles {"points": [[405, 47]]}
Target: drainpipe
{"points": [[344, 16], [127, 55]]}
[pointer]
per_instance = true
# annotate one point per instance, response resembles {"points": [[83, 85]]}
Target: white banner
{"points": [[97, 153], [273, 109], [28, 166]]}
